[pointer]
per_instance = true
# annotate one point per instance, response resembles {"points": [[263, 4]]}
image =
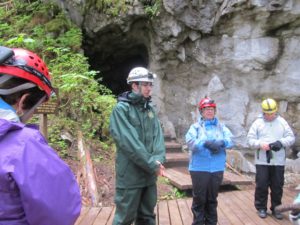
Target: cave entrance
{"points": [[114, 55]]}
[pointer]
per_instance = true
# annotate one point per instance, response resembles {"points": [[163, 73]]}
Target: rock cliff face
{"points": [[238, 52]]}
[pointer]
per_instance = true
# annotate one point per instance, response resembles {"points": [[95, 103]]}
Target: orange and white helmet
{"points": [[140, 74], [17, 62]]}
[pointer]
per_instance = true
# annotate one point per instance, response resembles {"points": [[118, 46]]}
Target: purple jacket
{"points": [[36, 186]]}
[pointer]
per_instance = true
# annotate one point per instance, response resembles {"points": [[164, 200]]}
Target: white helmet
{"points": [[140, 74]]}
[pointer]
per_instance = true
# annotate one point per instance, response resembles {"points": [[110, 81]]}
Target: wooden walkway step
{"points": [[176, 157], [234, 208], [172, 146], [181, 179]]}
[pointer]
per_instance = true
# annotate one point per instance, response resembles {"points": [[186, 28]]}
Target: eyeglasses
{"points": [[209, 109], [146, 84]]}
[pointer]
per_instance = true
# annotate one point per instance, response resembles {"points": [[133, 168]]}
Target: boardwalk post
{"points": [[87, 170]]}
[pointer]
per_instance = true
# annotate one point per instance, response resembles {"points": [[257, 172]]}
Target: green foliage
{"points": [[84, 103], [178, 193], [153, 10], [116, 7], [109, 7], [174, 194], [163, 180]]}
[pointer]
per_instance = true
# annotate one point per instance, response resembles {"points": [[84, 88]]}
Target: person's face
{"points": [[269, 116], [208, 113], [144, 88]]}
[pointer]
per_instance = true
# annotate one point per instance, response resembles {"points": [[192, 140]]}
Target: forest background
{"points": [[84, 103]]}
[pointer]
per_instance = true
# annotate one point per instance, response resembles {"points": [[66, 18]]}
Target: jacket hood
{"points": [[6, 126], [134, 98]]}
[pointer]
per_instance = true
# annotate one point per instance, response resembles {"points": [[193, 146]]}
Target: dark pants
{"points": [[205, 192], [135, 204], [268, 177]]}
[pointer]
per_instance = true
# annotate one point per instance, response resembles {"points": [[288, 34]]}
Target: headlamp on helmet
{"points": [[140, 74], [206, 102]]}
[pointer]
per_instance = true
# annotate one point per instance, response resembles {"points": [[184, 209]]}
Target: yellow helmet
{"points": [[269, 105]]}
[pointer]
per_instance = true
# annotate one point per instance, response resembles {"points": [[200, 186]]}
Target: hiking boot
{"points": [[277, 215], [262, 213]]}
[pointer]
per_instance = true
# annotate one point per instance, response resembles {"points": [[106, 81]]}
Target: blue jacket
{"points": [[201, 158]]}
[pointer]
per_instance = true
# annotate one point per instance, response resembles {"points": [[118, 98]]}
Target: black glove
{"points": [[214, 146], [275, 146], [269, 156]]}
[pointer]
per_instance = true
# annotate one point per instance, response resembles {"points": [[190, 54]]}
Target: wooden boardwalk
{"points": [[235, 208], [181, 178]]}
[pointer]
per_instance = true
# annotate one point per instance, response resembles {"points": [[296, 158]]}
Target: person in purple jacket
{"points": [[36, 186]]}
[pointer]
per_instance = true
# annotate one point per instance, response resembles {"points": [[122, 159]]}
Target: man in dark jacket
{"points": [[140, 151]]}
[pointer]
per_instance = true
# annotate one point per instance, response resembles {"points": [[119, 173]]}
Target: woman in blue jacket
{"points": [[207, 140]]}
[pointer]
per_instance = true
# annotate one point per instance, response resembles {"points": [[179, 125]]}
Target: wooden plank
{"points": [[269, 220], [163, 213], [156, 212], [111, 218], [231, 178], [234, 208], [83, 212], [244, 204], [104, 215], [232, 216], [177, 156], [222, 219], [250, 196], [175, 217], [183, 181], [173, 146], [87, 169], [90, 216], [179, 179], [185, 212]]}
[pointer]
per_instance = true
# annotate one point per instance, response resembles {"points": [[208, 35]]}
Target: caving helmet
{"points": [[269, 106], [21, 63], [206, 102], [140, 74]]}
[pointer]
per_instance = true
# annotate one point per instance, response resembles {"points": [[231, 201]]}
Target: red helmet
{"points": [[206, 102], [29, 66]]}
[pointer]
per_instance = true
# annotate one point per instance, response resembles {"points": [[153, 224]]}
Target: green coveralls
{"points": [[136, 130]]}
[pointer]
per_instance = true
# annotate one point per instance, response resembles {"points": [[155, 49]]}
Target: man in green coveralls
{"points": [[136, 130]]}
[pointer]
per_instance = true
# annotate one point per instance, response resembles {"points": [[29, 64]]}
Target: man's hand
{"points": [[264, 146], [160, 170], [275, 146]]}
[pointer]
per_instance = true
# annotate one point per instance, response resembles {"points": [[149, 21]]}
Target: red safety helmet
{"points": [[206, 102], [29, 66]]}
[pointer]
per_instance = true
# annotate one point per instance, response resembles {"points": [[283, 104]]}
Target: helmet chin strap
{"points": [[26, 116]]}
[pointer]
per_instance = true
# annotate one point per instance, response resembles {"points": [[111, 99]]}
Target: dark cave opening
{"points": [[115, 63]]}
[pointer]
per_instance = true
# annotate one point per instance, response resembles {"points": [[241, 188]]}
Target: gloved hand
{"points": [[275, 146], [214, 146], [269, 156]]}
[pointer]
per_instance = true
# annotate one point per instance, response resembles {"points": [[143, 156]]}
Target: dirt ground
{"points": [[105, 179]]}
